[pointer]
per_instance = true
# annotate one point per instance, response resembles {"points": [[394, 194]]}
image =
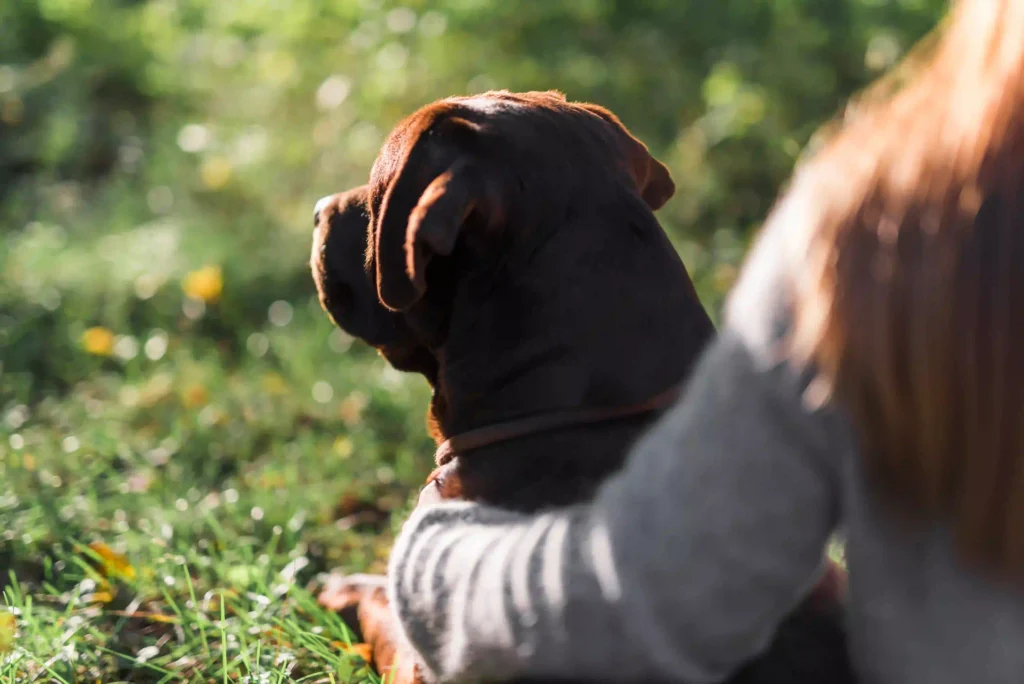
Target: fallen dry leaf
{"points": [[361, 650], [98, 341], [8, 627], [114, 564], [205, 284]]}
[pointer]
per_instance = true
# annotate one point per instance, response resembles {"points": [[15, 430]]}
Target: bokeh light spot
{"points": [[280, 313]]}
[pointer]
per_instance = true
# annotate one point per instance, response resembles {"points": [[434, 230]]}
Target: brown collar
{"points": [[531, 425]]}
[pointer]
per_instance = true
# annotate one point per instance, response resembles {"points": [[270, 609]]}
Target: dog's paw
{"points": [[341, 592]]}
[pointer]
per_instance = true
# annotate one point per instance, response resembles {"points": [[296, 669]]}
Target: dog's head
{"points": [[471, 167], [463, 197]]}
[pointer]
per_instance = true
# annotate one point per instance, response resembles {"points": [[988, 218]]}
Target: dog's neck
{"points": [[542, 423], [616, 326]]}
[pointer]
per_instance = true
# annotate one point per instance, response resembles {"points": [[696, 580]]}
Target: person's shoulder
{"points": [[759, 307], [760, 310]]}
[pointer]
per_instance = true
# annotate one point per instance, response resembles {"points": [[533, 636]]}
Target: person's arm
{"points": [[680, 569]]}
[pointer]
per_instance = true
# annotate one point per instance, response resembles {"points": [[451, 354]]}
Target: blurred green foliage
{"points": [[139, 140], [118, 113], [195, 418]]}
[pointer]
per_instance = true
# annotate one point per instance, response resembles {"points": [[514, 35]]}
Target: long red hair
{"points": [[911, 299]]}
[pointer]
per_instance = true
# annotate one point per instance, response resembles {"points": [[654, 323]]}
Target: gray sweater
{"points": [[687, 560]]}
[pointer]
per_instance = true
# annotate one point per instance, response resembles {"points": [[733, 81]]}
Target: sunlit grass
{"points": [[187, 617], [178, 471], [170, 524]]}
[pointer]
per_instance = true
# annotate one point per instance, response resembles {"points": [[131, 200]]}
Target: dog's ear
{"points": [[421, 216], [438, 217], [652, 177]]}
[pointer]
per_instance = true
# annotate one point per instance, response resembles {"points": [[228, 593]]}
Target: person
{"points": [[869, 378]]}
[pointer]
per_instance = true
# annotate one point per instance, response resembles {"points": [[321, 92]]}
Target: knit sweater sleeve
{"points": [[685, 562]]}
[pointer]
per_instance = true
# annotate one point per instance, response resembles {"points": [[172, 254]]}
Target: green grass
{"points": [[228, 489], [231, 451]]}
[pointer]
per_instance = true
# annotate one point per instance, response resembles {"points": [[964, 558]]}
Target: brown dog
{"points": [[506, 248]]}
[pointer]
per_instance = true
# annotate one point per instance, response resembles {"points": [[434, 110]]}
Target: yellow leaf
{"points": [[145, 615], [215, 172], [205, 284], [274, 384], [195, 396], [362, 650], [114, 564], [8, 626], [98, 341], [343, 447], [162, 617]]}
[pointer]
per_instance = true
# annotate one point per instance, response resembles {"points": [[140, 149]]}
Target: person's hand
{"points": [[342, 592], [430, 494]]}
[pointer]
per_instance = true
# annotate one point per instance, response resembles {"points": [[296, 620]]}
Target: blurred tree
{"points": [[233, 117]]}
